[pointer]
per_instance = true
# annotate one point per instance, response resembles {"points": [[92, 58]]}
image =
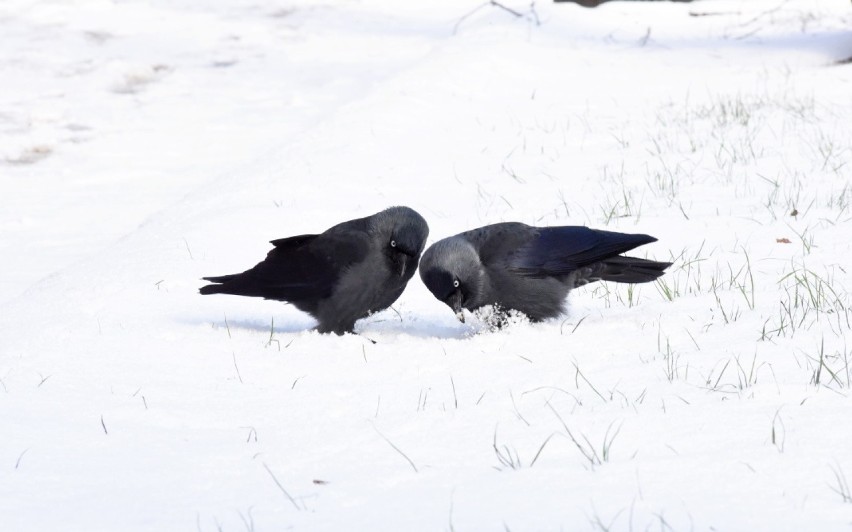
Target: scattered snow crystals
{"points": [[492, 318]]}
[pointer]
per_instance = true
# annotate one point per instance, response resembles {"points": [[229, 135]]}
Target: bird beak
{"points": [[455, 303], [401, 263]]}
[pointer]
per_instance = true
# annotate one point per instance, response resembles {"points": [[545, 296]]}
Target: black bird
{"points": [[346, 273], [530, 269]]}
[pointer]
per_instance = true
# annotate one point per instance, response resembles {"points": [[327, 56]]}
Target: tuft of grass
{"points": [[778, 433], [832, 370], [630, 296], [729, 314], [806, 238], [252, 434], [743, 280], [747, 379], [541, 448], [841, 486], [531, 15], [671, 359], [667, 288], [272, 334], [623, 206], [248, 519], [716, 384], [585, 446], [671, 366], [507, 456], [808, 299]]}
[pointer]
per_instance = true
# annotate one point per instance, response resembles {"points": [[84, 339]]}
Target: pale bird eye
{"points": [[456, 283], [393, 243]]}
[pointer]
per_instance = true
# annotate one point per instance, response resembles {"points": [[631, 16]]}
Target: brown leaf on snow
{"points": [[783, 241]]}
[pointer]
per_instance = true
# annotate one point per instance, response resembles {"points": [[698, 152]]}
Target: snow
{"points": [[145, 144]]}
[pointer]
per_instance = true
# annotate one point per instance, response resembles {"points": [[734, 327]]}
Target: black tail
{"points": [[250, 284], [623, 269], [226, 284]]}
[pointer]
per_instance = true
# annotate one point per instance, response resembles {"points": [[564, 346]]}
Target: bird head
{"points": [[452, 271], [402, 233]]}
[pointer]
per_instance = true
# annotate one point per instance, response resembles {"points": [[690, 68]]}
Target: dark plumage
{"points": [[514, 266], [339, 276]]}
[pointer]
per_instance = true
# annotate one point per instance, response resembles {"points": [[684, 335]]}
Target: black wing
{"points": [[298, 268], [498, 243], [562, 250]]}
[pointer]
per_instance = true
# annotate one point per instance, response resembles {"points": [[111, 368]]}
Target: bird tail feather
{"points": [[622, 269], [248, 284], [225, 284], [222, 278]]}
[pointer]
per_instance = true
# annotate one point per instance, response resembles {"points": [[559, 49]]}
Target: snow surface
{"points": [[144, 144]]}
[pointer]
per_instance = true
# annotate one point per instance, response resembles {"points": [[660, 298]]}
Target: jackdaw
{"points": [[514, 266], [339, 276]]}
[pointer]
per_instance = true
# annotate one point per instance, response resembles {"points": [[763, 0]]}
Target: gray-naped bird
{"points": [[351, 270], [514, 266]]}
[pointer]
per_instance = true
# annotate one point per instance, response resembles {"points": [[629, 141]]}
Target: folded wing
{"points": [[299, 268], [590, 253]]}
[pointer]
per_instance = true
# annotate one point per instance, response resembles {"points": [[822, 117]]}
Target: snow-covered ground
{"points": [[144, 144]]}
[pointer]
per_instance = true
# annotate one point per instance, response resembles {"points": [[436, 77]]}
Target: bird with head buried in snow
{"points": [[351, 270], [514, 266]]}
